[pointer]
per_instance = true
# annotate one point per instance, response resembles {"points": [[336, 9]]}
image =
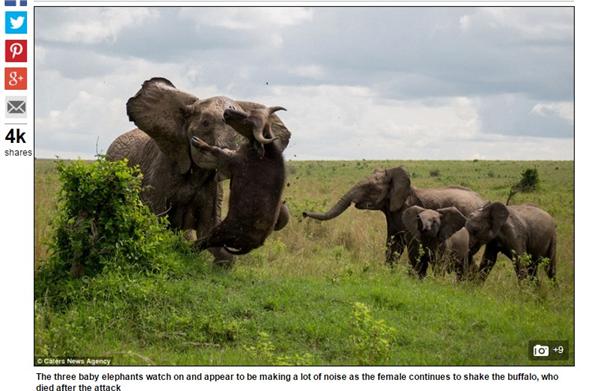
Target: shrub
{"points": [[101, 223], [371, 338], [263, 352], [529, 182], [434, 173]]}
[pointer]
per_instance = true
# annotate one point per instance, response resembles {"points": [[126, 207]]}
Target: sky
{"points": [[358, 83]]}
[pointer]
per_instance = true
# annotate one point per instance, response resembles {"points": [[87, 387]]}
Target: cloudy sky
{"points": [[372, 83]]}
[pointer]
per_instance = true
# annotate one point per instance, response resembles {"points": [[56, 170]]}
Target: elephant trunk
{"points": [[337, 209]]}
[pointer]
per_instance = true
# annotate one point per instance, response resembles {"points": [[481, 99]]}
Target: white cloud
{"points": [[311, 71], [253, 18], [259, 24], [446, 89], [93, 25], [350, 122], [91, 110], [558, 109], [546, 23], [465, 22]]}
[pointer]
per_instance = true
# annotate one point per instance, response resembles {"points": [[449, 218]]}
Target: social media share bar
{"points": [[16, 135], [545, 350]]}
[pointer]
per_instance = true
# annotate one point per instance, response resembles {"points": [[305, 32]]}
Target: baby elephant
{"points": [[443, 238], [257, 179], [524, 233]]}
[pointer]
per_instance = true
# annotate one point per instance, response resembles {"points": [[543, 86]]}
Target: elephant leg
{"points": [[551, 265], [518, 256], [414, 252], [461, 267], [182, 218], [208, 216], [472, 268], [517, 266], [422, 268], [394, 247], [532, 270], [490, 255], [176, 216], [423, 264], [418, 258], [459, 274], [189, 225]]}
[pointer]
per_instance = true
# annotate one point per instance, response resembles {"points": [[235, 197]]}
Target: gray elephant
{"points": [[526, 234], [257, 173], [390, 191], [180, 181], [442, 234]]}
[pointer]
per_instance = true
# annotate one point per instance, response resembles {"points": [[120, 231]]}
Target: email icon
{"points": [[16, 107]]}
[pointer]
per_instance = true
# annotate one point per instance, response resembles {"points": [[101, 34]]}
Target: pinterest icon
{"points": [[15, 50]]}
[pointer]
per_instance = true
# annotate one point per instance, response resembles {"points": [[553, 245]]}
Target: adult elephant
{"points": [[391, 192], [179, 181]]}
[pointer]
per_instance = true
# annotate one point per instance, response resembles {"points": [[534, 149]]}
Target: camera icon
{"points": [[541, 350]]}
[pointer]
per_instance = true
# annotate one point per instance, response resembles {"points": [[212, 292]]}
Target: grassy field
{"points": [[318, 293]]}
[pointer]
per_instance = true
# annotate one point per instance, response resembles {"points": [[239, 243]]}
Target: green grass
{"points": [[293, 301]]}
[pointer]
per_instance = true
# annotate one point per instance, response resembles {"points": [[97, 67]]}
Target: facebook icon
{"points": [[13, 3]]}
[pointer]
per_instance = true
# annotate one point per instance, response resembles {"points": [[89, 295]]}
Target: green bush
{"points": [[264, 352], [100, 223], [529, 180], [371, 339]]}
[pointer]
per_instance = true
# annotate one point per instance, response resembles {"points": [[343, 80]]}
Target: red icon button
{"points": [[15, 78], [15, 50]]}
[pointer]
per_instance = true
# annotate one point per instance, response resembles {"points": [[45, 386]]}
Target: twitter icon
{"points": [[15, 22]]}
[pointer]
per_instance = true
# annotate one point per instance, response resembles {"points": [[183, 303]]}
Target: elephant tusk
{"points": [[234, 251], [166, 211]]}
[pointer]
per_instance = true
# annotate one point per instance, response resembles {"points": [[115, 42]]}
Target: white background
{"points": [[16, 256]]}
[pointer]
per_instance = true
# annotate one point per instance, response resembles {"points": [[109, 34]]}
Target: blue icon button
{"points": [[15, 22]]}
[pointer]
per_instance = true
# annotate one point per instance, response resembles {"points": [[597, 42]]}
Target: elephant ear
{"points": [[497, 214], [278, 128], [160, 110], [410, 218], [399, 187], [451, 221]]}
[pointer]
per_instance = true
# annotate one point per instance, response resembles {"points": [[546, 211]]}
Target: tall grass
{"points": [[293, 301]]}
